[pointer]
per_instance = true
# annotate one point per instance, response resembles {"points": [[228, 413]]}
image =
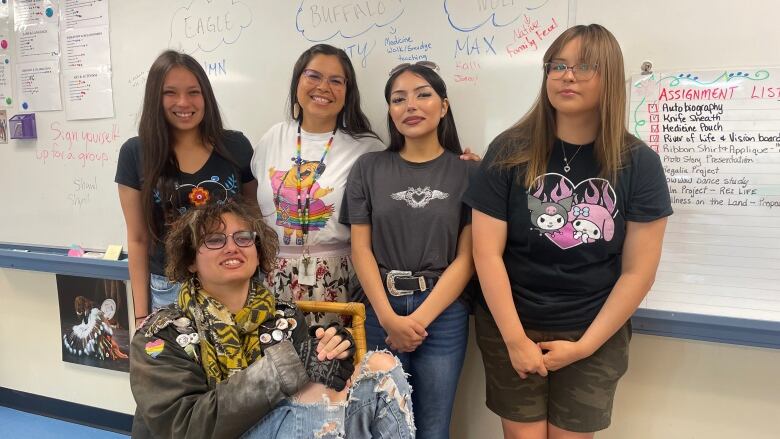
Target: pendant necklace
{"points": [[566, 161]]}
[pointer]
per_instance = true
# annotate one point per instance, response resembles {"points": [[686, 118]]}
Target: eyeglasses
{"points": [[429, 64], [581, 72], [314, 77], [243, 238]]}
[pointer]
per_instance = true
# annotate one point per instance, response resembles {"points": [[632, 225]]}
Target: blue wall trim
{"points": [[645, 321], [55, 260], [67, 411], [718, 329]]}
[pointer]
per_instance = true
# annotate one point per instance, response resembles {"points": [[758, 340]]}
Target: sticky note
{"points": [[113, 252]]}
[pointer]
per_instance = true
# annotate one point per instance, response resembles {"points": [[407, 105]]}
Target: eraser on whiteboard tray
{"points": [[75, 251]]}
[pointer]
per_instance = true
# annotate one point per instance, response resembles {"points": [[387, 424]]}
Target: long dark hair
{"points": [[160, 166], [446, 131], [351, 118]]}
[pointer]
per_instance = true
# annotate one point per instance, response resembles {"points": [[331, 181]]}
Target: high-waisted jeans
{"points": [[434, 367]]}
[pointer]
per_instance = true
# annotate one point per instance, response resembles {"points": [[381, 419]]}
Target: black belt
{"points": [[403, 283]]}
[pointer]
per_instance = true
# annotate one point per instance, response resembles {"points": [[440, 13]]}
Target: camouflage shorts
{"points": [[577, 397]]}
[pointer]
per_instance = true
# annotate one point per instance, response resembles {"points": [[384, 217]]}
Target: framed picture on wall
{"points": [[94, 322]]}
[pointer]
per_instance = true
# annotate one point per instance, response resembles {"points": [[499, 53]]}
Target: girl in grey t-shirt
{"points": [[411, 241]]}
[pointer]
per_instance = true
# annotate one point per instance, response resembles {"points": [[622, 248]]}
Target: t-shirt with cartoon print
{"points": [[414, 209], [274, 167], [217, 181], [565, 234]]}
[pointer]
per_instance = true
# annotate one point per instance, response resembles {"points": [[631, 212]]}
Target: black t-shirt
{"points": [[565, 234], [216, 181], [415, 209]]}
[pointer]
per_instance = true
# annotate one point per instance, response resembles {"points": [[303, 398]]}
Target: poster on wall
{"points": [[94, 322], [38, 86], [3, 127]]}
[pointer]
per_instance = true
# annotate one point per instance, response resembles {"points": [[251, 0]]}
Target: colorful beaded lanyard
{"points": [[303, 207]]}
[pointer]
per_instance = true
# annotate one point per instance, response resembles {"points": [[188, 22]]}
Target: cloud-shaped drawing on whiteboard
{"points": [[207, 24], [321, 20], [469, 15]]}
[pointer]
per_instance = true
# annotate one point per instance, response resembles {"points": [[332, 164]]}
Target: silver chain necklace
{"points": [[566, 161]]}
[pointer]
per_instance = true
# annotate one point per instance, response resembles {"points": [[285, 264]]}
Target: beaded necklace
{"points": [[303, 205]]}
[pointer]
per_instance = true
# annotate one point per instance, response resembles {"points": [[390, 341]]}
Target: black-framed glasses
{"points": [[242, 238], [581, 72], [315, 78], [429, 64]]}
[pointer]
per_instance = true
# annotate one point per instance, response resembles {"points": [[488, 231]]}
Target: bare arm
{"points": [[451, 284], [367, 269], [405, 331], [641, 255], [137, 249], [490, 236]]}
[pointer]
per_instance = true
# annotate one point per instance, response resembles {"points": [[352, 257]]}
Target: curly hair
{"points": [[186, 235]]}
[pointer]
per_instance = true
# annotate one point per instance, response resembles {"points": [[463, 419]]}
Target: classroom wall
{"points": [[31, 348], [674, 388]]}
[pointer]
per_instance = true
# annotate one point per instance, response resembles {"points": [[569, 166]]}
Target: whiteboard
{"points": [[59, 189], [717, 261], [718, 135]]}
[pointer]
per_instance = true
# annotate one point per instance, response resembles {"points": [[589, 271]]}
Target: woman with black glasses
{"points": [[569, 218], [411, 241], [228, 360]]}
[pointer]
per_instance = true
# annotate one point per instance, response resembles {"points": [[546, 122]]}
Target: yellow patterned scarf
{"points": [[228, 343]]}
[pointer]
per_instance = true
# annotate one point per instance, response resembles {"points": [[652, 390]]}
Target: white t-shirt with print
{"points": [[273, 165]]}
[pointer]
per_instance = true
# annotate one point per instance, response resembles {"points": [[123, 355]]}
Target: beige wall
{"points": [[674, 388], [31, 353]]}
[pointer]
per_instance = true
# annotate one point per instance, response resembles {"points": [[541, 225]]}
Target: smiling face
{"points": [[568, 95], [587, 228], [307, 175], [230, 264], [321, 90], [182, 100], [550, 222], [415, 108]]}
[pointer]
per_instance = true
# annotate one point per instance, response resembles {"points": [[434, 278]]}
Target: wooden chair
{"points": [[355, 309]]}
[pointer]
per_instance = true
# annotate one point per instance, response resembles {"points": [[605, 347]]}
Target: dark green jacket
{"points": [[173, 396]]}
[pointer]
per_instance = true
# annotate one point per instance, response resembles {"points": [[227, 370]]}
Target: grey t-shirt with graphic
{"points": [[414, 209]]}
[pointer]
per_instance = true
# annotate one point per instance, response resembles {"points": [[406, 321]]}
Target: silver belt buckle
{"points": [[390, 282]]}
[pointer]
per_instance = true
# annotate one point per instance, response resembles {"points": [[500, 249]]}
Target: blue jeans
{"points": [[434, 367], [379, 406], [163, 291]]}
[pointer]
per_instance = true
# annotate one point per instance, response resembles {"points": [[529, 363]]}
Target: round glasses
{"points": [[243, 238], [314, 77], [581, 72]]}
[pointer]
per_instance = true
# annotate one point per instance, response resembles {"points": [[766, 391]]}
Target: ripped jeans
{"points": [[379, 406], [163, 291]]}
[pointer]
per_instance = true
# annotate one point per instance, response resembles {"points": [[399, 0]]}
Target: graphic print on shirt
{"points": [[570, 215], [189, 195], [418, 198], [284, 185]]}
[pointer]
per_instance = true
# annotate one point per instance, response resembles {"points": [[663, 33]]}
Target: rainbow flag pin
{"points": [[153, 348]]}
